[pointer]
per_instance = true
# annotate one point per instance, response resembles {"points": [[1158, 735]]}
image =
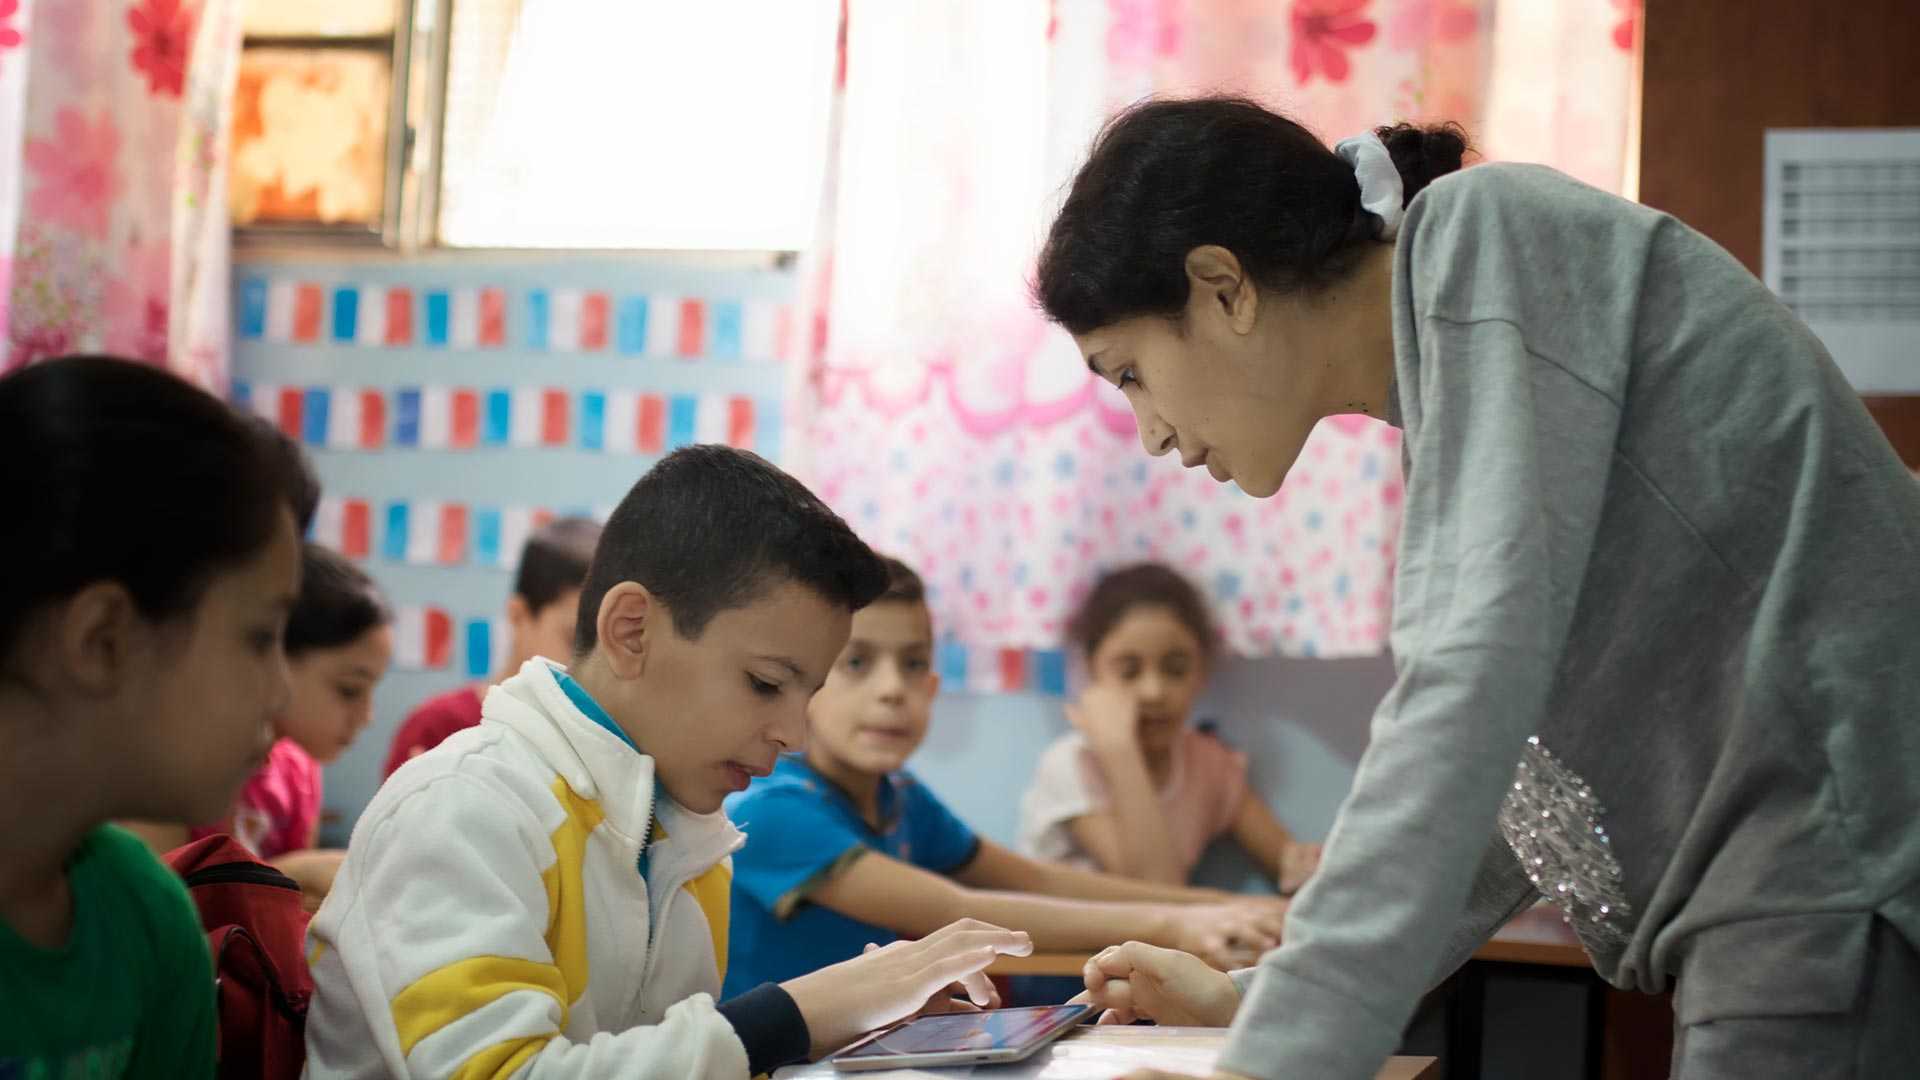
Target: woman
{"points": [[1657, 617]]}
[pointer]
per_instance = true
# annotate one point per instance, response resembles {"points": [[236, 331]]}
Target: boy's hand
{"points": [[1228, 936], [1108, 717], [1298, 861], [849, 999], [1137, 981]]}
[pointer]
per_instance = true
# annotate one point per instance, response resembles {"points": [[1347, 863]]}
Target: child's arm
{"points": [[1270, 844], [996, 867], [313, 869], [1130, 836], [909, 901]]}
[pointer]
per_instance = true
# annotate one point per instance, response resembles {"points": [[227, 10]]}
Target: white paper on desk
{"points": [[1840, 227]]}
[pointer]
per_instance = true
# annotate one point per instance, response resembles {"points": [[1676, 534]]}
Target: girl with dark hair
{"points": [[151, 552], [1135, 789], [339, 644], [1657, 614]]}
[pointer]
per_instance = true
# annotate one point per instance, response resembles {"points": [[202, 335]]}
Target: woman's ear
{"points": [[629, 619], [1218, 287]]}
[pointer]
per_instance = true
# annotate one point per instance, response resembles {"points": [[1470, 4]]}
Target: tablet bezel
{"points": [[1000, 1055]]}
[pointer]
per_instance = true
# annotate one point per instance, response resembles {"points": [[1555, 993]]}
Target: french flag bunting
{"points": [[493, 318], [370, 317], [486, 537], [563, 326], [396, 539], [436, 417], [464, 424], [682, 420], [307, 314], [596, 316], [423, 536], [711, 422], [620, 431], [452, 547], [399, 323], [516, 524], [758, 330], [422, 638], [651, 424], [253, 309], [357, 419], [631, 325], [465, 330], [496, 418], [524, 427], [725, 329], [407, 407], [590, 420], [316, 404], [346, 313], [438, 311], [485, 647], [279, 321], [740, 423], [345, 525], [693, 329], [555, 417], [662, 327]]}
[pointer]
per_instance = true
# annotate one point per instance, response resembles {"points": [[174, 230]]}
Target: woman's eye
{"points": [[763, 687], [263, 641], [856, 663], [1126, 376]]}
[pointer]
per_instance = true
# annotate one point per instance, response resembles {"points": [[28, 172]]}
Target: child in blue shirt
{"points": [[845, 848]]}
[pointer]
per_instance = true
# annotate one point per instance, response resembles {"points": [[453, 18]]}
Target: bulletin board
{"points": [[452, 406]]}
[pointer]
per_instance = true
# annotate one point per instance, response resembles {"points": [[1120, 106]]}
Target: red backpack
{"points": [[256, 929]]}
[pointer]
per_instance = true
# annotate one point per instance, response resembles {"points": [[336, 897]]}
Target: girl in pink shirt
{"points": [[338, 644], [1133, 789]]}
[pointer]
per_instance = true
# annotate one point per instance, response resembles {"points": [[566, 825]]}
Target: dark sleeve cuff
{"points": [[770, 1026], [973, 852]]}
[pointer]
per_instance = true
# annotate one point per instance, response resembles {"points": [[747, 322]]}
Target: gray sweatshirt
{"points": [[1649, 526]]}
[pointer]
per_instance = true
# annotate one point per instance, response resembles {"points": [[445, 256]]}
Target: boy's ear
{"points": [[630, 620], [519, 613]]}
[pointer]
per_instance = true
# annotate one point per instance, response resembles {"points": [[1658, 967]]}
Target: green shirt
{"points": [[129, 994]]}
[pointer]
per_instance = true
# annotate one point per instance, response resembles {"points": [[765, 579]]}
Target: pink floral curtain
{"points": [[113, 136], [955, 428]]}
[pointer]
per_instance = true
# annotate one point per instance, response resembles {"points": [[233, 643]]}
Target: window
{"points": [[536, 123]]}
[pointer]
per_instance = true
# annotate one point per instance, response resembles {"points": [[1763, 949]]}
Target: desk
{"points": [[1535, 936], [1091, 1051]]}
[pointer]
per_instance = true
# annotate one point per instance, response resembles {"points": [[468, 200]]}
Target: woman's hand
{"points": [[1137, 981], [892, 982], [1298, 861], [1108, 717]]}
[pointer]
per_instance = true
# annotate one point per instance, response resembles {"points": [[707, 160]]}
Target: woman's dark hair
{"points": [[116, 471], [1119, 593], [554, 561], [1165, 177], [710, 528], [338, 602]]}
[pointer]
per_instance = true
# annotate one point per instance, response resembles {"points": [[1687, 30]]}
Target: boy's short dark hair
{"points": [[903, 585], [711, 528], [554, 561]]}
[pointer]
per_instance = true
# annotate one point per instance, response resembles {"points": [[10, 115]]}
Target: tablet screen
{"points": [[958, 1032]]}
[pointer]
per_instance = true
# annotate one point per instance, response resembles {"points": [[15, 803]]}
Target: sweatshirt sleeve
{"points": [[1510, 458], [445, 952]]}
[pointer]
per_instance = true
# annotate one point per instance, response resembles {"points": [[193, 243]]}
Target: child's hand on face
{"points": [[1298, 861], [1108, 717]]}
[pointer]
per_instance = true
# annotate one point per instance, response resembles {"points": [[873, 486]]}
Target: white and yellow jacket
{"points": [[491, 920]]}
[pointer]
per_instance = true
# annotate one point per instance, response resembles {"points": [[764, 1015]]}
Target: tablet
{"points": [[971, 1038]]}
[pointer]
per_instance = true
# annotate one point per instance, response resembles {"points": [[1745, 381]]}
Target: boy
{"points": [[540, 615], [549, 890], [845, 847]]}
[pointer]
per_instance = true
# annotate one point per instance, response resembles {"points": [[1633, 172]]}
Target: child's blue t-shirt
{"points": [[801, 829]]}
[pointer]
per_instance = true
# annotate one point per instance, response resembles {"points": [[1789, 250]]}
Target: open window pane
{"points": [[319, 18], [636, 123], [310, 136]]}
